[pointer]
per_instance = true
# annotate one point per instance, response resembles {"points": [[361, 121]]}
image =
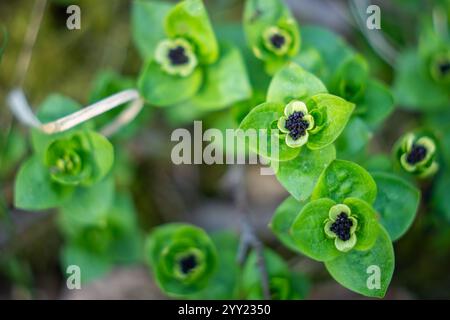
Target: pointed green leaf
{"points": [[354, 139], [335, 113], [225, 82], [89, 205], [344, 179], [360, 271], [162, 89], [299, 175], [283, 218], [397, 203], [147, 25], [35, 190], [377, 103], [101, 155], [292, 82], [368, 227]]}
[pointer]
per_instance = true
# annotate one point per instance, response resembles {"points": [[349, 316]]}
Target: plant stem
{"points": [[22, 110], [248, 235], [30, 39], [376, 39]]}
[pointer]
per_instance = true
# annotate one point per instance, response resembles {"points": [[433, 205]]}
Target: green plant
{"points": [[311, 105], [422, 80], [183, 258], [185, 61], [315, 117], [416, 154], [63, 164]]}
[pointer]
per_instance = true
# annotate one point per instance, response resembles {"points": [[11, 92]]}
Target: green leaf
{"points": [[308, 231], [441, 200], [55, 106], [350, 79], [282, 221], [292, 82], [147, 25], [344, 179], [332, 48], [13, 148], [233, 33], [224, 284], [183, 114], [368, 227], [264, 117], [377, 104], [189, 19], [397, 203], [113, 233], [101, 156], [92, 265], [299, 175], [335, 113], [89, 205], [300, 286], [162, 89], [34, 189], [127, 244], [280, 280], [378, 162], [413, 87], [354, 139], [357, 270], [311, 60], [107, 83], [225, 82]]}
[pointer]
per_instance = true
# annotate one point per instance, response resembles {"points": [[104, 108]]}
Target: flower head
{"points": [[176, 56], [296, 123], [182, 257], [277, 40], [341, 227], [188, 264], [67, 160], [416, 155]]}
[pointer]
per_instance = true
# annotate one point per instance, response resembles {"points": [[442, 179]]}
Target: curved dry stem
{"points": [[22, 110], [376, 38]]}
